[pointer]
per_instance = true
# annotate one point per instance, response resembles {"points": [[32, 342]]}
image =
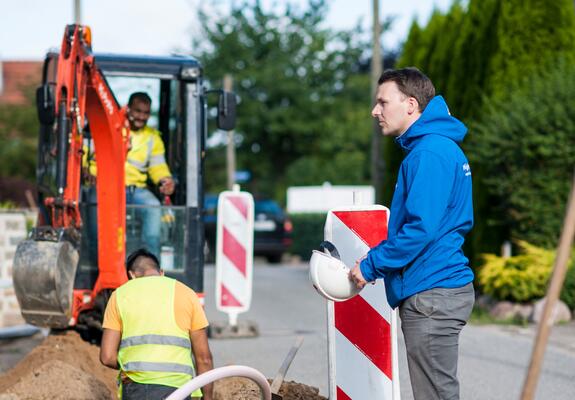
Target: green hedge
{"points": [[568, 291], [307, 233], [524, 277]]}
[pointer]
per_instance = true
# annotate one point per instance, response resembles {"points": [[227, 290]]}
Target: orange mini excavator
{"points": [[74, 258]]}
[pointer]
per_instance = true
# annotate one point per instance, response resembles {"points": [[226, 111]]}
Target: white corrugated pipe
{"points": [[220, 373]]}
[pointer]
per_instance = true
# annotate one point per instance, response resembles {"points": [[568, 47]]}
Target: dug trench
{"points": [[64, 367]]}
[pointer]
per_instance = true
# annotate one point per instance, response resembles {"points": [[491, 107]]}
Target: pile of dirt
{"points": [[63, 366], [61, 381], [245, 389]]}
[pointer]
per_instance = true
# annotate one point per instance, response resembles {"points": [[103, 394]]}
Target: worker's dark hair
{"points": [[141, 259], [412, 83], [142, 96]]}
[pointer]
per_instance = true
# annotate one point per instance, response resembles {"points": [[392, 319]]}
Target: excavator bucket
{"points": [[43, 274]]}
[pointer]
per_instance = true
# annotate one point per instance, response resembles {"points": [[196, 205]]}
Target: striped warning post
{"points": [[234, 252], [362, 331]]}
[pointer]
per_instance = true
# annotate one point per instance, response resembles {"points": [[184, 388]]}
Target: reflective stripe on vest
{"points": [[140, 166], [155, 339], [157, 367]]}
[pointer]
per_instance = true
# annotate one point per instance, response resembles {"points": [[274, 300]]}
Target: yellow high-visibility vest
{"points": [[146, 157], [153, 349]]}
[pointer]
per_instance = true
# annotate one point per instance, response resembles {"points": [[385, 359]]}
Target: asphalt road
{"points": [[493, 359]]}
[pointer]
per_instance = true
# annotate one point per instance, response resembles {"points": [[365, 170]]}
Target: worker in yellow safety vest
{"points": [[145, 159], [152, 326]]}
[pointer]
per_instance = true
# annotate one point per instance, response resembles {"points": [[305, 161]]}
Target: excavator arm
{"points": [[45, 264]]}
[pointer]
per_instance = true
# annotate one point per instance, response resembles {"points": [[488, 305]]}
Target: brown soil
{"points": [[65, 367], [58, 380], [245, 389], [61, 358]]}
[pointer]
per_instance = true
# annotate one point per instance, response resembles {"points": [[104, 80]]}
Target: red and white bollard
{"points": [[234, 253], [362, 331]]}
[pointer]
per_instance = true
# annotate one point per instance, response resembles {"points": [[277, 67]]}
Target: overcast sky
{"points": [[30, 27]]}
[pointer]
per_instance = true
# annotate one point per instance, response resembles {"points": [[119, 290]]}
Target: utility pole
{"points": [[376, 68], [78, 12], [231, 147]]}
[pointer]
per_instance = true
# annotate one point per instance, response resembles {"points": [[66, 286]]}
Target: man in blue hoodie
{"points": [[425, 271]]}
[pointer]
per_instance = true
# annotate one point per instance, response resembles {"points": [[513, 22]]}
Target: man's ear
{"points": [[413, 105]]}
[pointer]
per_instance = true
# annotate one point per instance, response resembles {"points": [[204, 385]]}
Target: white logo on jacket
{"points": [[467, 169]]}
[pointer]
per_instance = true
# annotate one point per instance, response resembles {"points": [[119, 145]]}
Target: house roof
{"points": [[16, 77]]}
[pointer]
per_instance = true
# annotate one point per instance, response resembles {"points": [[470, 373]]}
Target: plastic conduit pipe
{"points": [[223, 372]]}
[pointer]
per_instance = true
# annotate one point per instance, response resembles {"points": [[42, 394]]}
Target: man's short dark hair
{"points": [[142, 259], [141, 96], [412, 83]]}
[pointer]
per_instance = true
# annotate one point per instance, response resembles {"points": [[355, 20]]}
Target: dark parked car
{"points": [[272, 229]]}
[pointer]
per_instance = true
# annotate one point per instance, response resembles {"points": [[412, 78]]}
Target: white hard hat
{"points": [[330, 277]]}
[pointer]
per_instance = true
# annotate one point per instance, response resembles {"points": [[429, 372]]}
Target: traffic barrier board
{"points": [[234, 252], [362, 331]]}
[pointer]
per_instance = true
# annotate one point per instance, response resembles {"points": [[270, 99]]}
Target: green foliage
{"points": [[493, 61], [304, 108], [519, 278], [531, 36], [525, 145], [568, 291], [307, 233], [18, 139], [474, 45], [7, 205]]}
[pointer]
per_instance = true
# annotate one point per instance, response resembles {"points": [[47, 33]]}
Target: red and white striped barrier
{"points": [[362, 331], [234, 252]]}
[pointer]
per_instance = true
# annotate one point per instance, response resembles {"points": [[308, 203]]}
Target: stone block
{"points": [[506, 310], [560, 312], [502, 310]]}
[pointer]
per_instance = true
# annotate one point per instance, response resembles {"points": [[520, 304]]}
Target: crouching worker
{"points": [[152, 326]]}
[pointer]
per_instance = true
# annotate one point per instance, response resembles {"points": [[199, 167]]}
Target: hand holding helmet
{"points": [[330, 276]]}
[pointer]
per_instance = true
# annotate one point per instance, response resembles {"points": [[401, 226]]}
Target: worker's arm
{"points": [[203, 357], [109, 348], [112, 336], [158, 169]]}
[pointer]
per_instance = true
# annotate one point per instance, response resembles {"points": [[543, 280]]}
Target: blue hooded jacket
{"points": [[431, 211]]}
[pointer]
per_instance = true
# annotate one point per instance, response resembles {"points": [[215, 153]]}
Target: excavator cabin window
{"points": [[157, 222]]}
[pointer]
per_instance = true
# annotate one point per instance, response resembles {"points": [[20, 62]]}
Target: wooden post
{"points": [[553, 291], [231, 147]]}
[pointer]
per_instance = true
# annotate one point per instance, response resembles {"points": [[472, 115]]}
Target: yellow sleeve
{"points": [[89, 160], [190, 315], [112, 319], [158, 168]]}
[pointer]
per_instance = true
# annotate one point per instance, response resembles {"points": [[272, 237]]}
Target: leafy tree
{"points": [[531, 36], [304, 110], [526, 147], [474, 44], [18, 139]]}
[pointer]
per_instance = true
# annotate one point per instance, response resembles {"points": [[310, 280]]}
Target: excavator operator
{"points": [[145, 160]]}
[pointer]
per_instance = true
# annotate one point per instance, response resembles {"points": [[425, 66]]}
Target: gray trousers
{"points": [[140, 391], [431, 322]]}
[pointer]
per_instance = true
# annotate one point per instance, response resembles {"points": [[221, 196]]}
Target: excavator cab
{"points": [[65, 272]]}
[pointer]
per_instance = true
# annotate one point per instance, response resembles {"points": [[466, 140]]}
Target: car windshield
{"points": [[267, 207]]}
